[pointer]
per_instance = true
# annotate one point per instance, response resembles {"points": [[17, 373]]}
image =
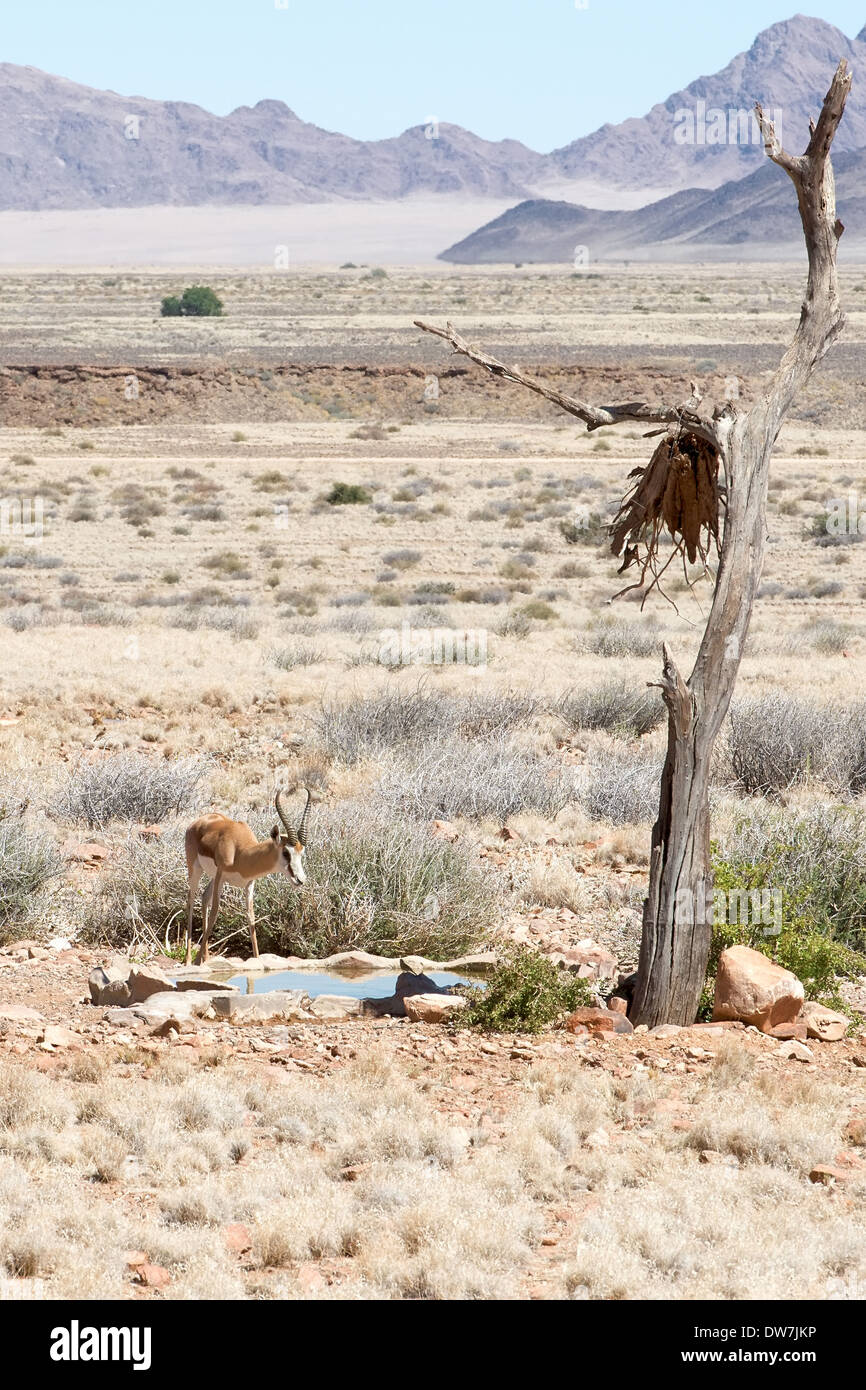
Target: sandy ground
{"points": [[412, 231], [192, 591]]}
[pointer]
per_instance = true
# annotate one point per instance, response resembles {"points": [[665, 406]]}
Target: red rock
{"points": [[236, 1238], [824, 1023], [617, 1005], [825, 1173], [54, 1035], [752, 988], [506, 833], [795, 1029], [444, 830], [86, 853], [153, 1276], [19, 1013], [598, 1021]]}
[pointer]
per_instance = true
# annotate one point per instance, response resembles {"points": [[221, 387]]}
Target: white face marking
{"points": [[293, 863]]}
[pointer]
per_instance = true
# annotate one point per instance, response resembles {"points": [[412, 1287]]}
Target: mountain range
{"points": [[63, 145]]}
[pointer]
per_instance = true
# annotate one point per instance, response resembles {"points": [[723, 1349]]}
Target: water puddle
{"points": [[369, 985]]}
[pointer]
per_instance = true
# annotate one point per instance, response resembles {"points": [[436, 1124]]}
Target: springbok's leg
{"points": [[251, 918], [210, 907], [195, 873]]}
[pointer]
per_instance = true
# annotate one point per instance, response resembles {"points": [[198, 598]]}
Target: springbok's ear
{"points": [[275, 834]]}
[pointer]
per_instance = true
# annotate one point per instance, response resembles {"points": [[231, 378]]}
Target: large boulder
{"points": [[145, 980], [291, 1004], [432, 1008], [597, 1021], [752, 988], [108, 984]]}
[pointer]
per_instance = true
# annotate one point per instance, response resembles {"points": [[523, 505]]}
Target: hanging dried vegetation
{"points": [[677, 492]]}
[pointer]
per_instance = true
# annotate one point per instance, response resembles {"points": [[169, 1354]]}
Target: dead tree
{"points": [[708, 467]]}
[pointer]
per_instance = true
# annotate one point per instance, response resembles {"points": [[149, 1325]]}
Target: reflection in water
{"points": [[369, 985]]}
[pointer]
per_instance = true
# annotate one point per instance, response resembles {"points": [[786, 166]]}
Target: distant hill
{"points": [[63, 145], [787, 68], [747, 217], [67, 146]]}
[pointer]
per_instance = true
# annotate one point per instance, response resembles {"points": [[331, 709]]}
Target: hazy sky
{"points": [[542, 71]]}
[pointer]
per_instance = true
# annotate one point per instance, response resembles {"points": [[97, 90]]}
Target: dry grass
{"points": [[438, 1210]]}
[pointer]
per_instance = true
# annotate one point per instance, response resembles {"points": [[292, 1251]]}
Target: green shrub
{"points": [[347, 494], [525, 993], [817, 859], [197, 301]]}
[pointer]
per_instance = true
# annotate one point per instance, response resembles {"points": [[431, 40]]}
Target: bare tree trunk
{"points": [[677, 910], [677, 919]]}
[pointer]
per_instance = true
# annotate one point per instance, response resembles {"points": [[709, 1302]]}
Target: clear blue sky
{"points": [[542, 71]]}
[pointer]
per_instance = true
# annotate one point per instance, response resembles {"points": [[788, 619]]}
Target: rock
{"points": [[665, 1030], [617, 1005], [719, 1159], [354, 1171], [824, 1023], [588, 960], [171, 1004], [415, 965], [597, 1021], [236, 1238], [335, 1008], [149, 832], [86, 853], [38, 952], [55, 1036], [121, 1018], [108, 985], [204, 983], [855, 1130], [508, 835], [444, 830], [153, 1276], [257, 1008], [60, 943], [172, 1025], [752, 988], [796, 1050], [432, 1008], [19, 1013], [598, 1139], [786, 1031], [480, 964], [145, 980], [825, 1173]]}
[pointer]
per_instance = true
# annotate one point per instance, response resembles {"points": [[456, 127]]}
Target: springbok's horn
{"points": [[302, 828], [278, 802]]}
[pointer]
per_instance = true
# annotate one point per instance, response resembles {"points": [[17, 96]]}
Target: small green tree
{"points": [[197, 301]]}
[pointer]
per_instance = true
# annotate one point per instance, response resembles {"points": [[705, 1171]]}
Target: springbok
{"points": [[228, 852]]}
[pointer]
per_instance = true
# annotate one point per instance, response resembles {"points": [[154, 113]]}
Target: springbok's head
{"points": [[292, 843]]}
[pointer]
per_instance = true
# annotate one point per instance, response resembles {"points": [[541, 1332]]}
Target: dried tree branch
{"points": [[821, 317], [594, 417]]}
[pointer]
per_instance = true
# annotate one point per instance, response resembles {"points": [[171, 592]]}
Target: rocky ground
{"points": [[471, 1083]]}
